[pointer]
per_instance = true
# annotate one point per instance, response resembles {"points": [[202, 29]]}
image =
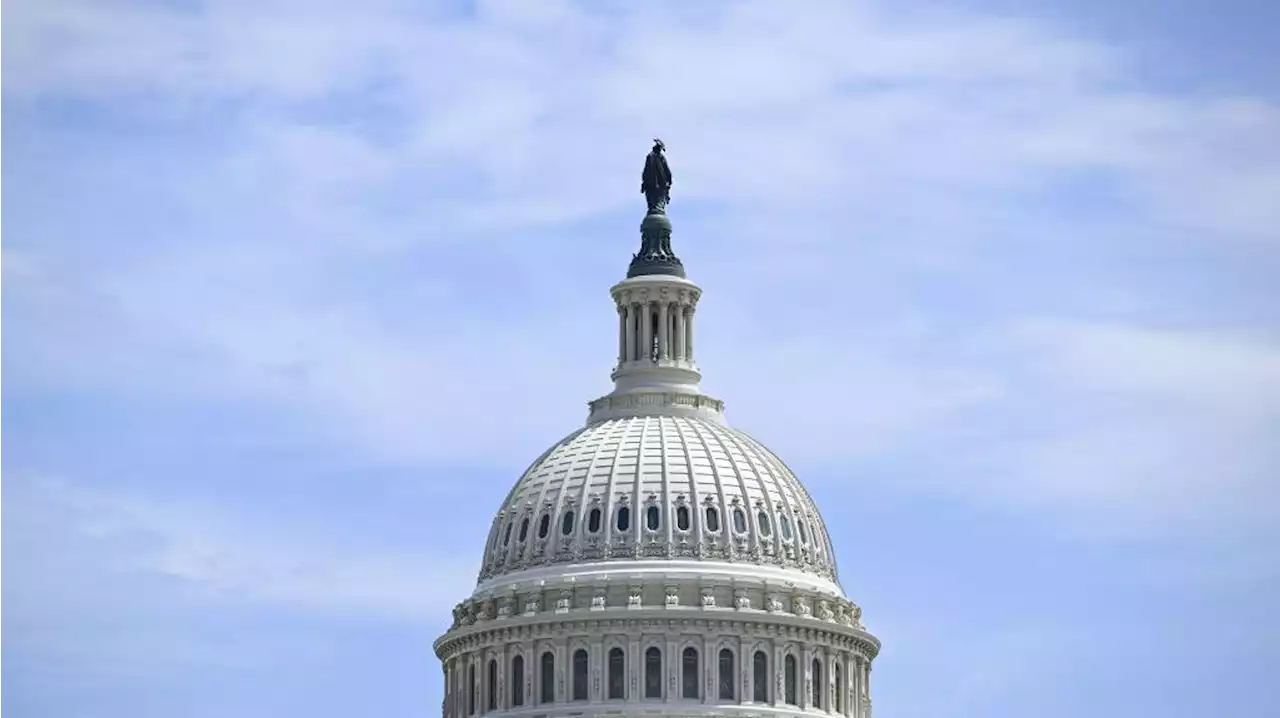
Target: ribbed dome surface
{"points": [[652, 487]]}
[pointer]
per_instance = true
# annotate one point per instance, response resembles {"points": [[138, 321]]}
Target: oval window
{"points": [[566, 524], [624, 518], [713, 519], [765, 527], [652, 518], [544, 525], [593, 520], [524, 529], [784, 524], [739, 521], [682, 518], [804, 537], [506, 535]]}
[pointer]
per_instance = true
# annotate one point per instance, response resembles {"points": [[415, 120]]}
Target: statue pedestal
{"points": [[655, 255]]}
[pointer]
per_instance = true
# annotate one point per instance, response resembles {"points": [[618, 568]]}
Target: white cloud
{"points": [[211, 557], [874, 152]]}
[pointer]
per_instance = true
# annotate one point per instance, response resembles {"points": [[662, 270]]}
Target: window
{"points": [[817, 684], [739, 521], [689, 673], [760, 677], [624, 518], [544, 525], [804, 537], [713, 519], [838, 693], [548, 678], [524, 529], [765, 527], [517, 681], [580, 674], [566, 524], [652, 518], [471, 689], [506, 535], [593, 520], [653, 672], [617, 673], [682, 518], [784, 524], [493, 685], [789, 684], [726, 674]]}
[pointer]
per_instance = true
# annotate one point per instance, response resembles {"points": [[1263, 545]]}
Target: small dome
{"points": [[645, 488]]}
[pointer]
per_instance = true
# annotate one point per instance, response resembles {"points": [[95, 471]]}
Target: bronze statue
{"points": [[655, 255], [655, 182]]}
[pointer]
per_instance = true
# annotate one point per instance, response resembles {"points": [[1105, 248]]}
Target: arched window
{"points": [[472, 689], [727, 681], [682, 518], [760, 677], [653, 518], [739, 521], [765, 527], [548, 678], [493, 685], [517, 681], [580, 674], [524, 529], [838, 692], [789, 681], [544, 525], [624, 519], [566, 524], [713, 519], [593, 520], [653, 672], [506, 535], [617, 673], [784, 525], [817, 684], [689, 673], [804, 537]]}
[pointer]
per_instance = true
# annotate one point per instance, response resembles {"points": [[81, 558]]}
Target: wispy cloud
{"points": [[946, 254]]}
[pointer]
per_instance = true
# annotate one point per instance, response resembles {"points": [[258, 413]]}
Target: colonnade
{"points": [[654, 331], [810, 679]]}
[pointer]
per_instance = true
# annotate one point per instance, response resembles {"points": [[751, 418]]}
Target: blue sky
{"points": [[294, 290]]}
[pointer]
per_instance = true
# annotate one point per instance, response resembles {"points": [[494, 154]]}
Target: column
{"points": [[664, 338], [688, 334], [629, 333], [680, 348], [622, 334], [746, 667], [859, 687], [806, 679], [828, 676], [672, 664], [646, 332], [563, 670], [709, 665], [596, 689], [634, 689], [778, 677]]}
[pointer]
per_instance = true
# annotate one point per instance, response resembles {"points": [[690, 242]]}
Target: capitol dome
{"points": [[656, 560], [635, 493]]}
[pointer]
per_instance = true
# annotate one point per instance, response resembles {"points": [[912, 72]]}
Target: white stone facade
{"points": [[657, 561]]}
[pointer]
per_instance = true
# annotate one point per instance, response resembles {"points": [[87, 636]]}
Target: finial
{"points": [[655, 255]]}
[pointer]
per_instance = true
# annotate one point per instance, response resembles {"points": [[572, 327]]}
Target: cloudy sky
{"points": [[295, 289]]}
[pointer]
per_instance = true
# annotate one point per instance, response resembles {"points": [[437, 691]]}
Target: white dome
{"points": [[628, 491], [657, 561]]}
